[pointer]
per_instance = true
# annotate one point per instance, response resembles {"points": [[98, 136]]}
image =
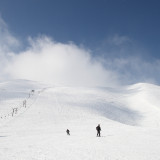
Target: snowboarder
{"points": [[98, 128], [68, 132]]}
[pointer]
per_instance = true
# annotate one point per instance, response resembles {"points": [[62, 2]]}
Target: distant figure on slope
{"points": [[68, 132], [98, 128], [24, 103]]}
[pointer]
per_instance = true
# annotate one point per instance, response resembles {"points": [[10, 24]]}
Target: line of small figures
{"points": [[15, 109]]}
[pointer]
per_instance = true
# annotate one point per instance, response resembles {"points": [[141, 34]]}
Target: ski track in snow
{"points": [[129, 117]]}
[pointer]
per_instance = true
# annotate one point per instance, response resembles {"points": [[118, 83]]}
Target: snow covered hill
{"points": [[35, 116]]}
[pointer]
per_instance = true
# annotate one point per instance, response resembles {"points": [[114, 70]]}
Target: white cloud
{"points": [[68, 64], [7, 44], [59, 63], [134, 69], [49, 61], [7, 41]]}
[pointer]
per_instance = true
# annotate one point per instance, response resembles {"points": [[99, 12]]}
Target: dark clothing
{"points": [[68, 132], [98, 128]]}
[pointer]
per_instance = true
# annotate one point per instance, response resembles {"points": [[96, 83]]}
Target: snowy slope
{"points": [[129, 117]]}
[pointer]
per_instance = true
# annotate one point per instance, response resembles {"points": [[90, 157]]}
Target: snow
{"points": [[129, 118]]}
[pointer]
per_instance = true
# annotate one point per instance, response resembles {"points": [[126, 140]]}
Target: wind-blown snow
{"points": [[129, 117]]}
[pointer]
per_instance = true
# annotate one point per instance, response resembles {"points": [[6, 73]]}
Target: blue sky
{"points": [[108, 28], [88, 22]]}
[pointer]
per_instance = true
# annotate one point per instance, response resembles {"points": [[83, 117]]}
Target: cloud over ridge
{"points": [[68, 64], [54, 62]]}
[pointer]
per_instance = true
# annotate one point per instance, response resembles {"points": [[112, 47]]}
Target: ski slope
{"points": [[129, 118]]}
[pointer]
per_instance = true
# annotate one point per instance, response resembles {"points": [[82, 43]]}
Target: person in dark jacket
{"points": [[68, 132], [98, 128]]}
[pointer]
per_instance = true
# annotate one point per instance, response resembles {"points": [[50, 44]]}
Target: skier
{"points": [[68, 132], [98, 128]]}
